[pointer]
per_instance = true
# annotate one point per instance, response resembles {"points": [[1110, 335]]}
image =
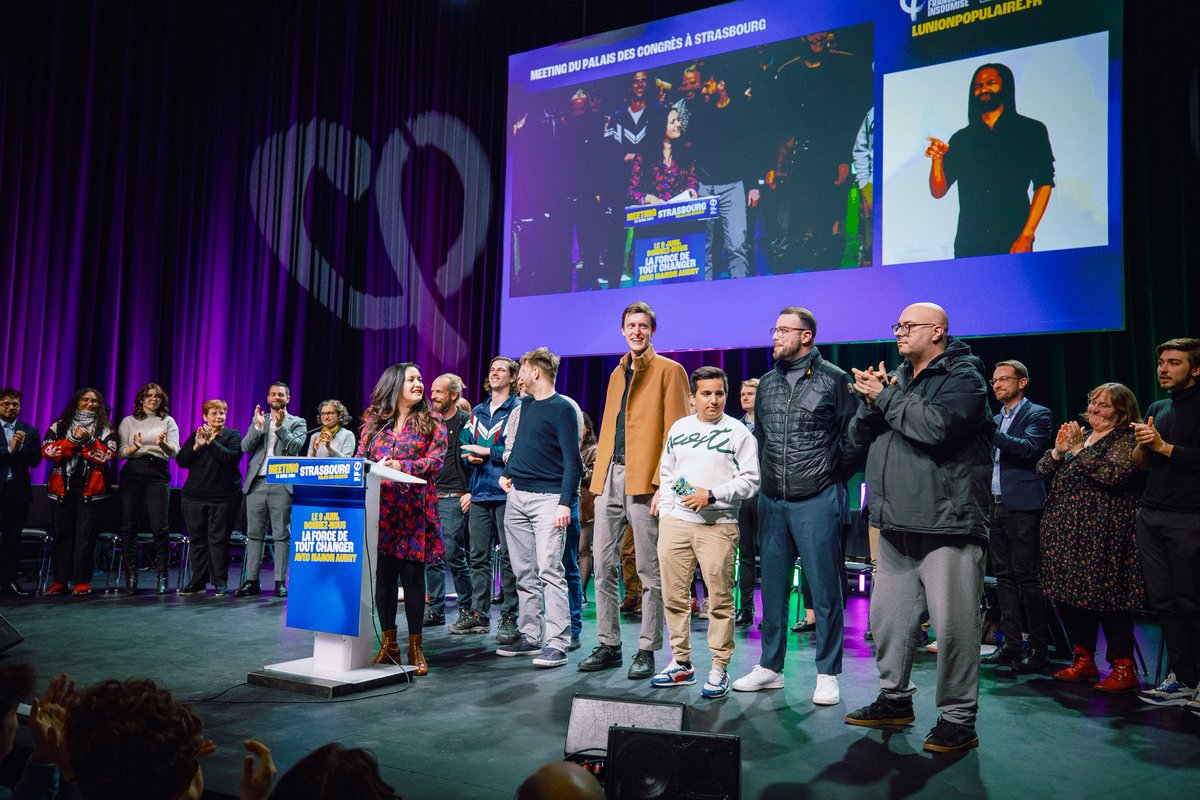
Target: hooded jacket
{"points": [[929, 469]]}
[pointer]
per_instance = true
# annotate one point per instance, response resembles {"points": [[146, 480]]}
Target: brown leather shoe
{"points": [[1083, 668], [415, 656], [389, 651], [632, 604], [1121, 679]]}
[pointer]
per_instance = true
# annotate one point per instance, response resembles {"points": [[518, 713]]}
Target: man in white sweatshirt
{"points": [[708, 467]]}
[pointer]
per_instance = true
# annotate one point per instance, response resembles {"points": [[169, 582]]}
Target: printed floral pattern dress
{"points": [[1089, 551], [659, 179], [409, 526]]}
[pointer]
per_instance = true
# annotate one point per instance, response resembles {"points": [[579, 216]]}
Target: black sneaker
{"points": [[222, 590], [195, 587], [642, 667], [523, 646], [605, 656], [432, 619], [744, 618], [950, 737], [882, 713], [574, 645], [469, 622], [506, 631]]}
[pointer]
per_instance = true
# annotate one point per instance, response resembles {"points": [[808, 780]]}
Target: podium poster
{"points": [[326, 569], [669, 240]]}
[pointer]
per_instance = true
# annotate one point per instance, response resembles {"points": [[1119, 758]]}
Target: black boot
{"points": [[131, 582], [161, 587]]}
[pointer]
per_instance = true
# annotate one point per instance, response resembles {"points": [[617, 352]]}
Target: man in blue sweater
{"points": [[542, 480]]}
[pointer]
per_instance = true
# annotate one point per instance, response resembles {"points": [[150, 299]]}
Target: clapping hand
{"points": [[1069, 438], [14, 444], [80, 433], [137, 440], [870, 382], [47, 720], [161, 439], [1147, 435], [277, 415], [256, 783], [259, 419]]}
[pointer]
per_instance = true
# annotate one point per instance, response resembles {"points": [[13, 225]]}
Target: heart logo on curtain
{"points": [[280, 172]]}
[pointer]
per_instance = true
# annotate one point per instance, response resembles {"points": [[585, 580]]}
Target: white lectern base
{"points": [[300, 676]]}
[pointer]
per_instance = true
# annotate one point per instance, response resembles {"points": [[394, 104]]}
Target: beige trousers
{"points": [[681, 545]]}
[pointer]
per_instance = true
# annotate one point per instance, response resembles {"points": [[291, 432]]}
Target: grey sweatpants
{"points": [[944, 574]]}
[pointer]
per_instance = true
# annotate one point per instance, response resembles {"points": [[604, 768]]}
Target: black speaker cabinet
{"points": [[592, 716], [9, 636], [672, 765]]}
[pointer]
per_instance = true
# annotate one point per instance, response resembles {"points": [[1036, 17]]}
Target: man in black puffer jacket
{"points": [[929, 475], [801, 413]]}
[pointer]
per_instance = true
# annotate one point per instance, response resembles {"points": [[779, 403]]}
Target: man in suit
{"points": [[1024, 432], [20, 450], [276, 433]]}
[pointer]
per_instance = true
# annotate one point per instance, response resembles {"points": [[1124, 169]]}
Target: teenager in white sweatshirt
{"points": [[708, 467]]}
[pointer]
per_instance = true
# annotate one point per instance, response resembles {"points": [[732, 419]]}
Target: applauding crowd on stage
{"points": [[1093, 523]]}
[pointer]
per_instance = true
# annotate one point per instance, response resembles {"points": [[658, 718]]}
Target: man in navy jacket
{"points": [[20, 450], [1024, 431]]}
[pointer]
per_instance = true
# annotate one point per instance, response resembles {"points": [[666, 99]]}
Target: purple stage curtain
{"points": [[215, 196]]}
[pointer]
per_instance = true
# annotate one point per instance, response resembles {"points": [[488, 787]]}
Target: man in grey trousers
{"points": [[929, 474], [275, 433]]}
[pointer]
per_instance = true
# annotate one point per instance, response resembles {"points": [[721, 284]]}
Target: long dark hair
{"points": [[1007, 96], [164, 407], [589, 432], [63, 423], [385, 398], [334, 771]]}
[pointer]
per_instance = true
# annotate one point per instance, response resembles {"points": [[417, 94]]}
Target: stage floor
{"points": [[478, 724]]}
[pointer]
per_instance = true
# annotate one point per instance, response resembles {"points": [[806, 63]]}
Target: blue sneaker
{"points": [[1168, 693], [524, 646], [1193, 705], [675, 674], [550, 657], [717, 684]]}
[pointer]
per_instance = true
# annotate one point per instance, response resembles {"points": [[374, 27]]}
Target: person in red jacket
{"points": [[79, 446]]}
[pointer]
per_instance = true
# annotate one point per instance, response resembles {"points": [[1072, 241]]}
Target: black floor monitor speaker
{"points": [[672, 765], [592, 716], [9, 636]]}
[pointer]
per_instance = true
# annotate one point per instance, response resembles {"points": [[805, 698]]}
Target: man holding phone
{"points": [[708, 467]]}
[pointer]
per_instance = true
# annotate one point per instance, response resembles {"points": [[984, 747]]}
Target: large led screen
{"points": [[850, 157]]}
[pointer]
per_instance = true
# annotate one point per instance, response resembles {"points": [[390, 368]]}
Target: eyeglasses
{"points": [[904, 328], [155, 396], [1002, 379], [1098, 404], [782, 331]]}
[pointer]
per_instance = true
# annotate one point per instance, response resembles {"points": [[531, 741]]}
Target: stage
{"points": [[478, 724]]}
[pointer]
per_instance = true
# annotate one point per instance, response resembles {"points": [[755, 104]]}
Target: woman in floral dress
{"points": [[654, 181], [1090, 564], [400, 432]]}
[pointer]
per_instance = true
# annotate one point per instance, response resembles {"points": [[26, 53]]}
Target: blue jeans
{"points": [[808, 529], [570, 562], [454, 534]]}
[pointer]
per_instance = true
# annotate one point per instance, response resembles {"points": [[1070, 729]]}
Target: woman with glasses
{"points": [[149, 439], [78, 447], [1090, 566], [332, 441]]}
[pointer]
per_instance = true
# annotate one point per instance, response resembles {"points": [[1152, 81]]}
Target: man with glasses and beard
{"points": [[801, 412], [994, 160]]}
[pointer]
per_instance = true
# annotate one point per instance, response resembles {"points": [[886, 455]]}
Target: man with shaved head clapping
{"points": [[929, 475]]}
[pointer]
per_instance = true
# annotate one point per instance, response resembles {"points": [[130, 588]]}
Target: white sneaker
{"points": [[826, 693], [758, 679], [704, 609]]}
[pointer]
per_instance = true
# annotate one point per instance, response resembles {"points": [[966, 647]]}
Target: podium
{"points": [[335, 532], [669, 239]]}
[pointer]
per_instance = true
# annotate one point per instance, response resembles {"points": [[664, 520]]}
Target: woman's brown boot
{"points": [[415, 656], [389, 651]]}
